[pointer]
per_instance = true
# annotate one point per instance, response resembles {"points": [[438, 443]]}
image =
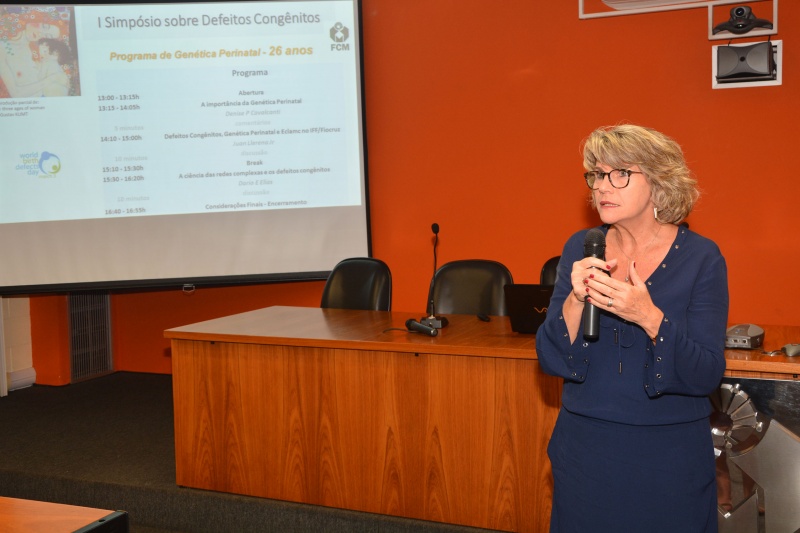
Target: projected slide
{"points": [[142, 110], [156, 145]]}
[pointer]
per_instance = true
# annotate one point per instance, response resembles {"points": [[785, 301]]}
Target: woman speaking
{"points": [[631, 449]]}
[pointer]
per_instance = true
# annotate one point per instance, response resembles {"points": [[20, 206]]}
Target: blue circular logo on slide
{"points": [[49, 164]]}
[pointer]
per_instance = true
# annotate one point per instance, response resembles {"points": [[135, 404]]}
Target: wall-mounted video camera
{"points": [[742, 21]]}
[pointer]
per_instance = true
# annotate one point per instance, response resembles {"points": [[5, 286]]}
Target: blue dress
{"points": [[632, 450]]}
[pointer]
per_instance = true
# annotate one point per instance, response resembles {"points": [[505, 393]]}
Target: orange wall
{"points": [[475, 113], [50, 339]]}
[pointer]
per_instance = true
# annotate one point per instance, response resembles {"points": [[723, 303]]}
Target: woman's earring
{"points": [[655, 213]]}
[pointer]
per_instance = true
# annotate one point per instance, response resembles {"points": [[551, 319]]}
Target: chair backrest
{"points": [[470, 287], [549, 271], [359, 283]]}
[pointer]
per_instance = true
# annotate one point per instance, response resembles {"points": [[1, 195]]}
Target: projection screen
{"points": [[151, 145]]}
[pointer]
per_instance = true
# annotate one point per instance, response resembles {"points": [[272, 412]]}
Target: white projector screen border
{"points": [[228, 148]]}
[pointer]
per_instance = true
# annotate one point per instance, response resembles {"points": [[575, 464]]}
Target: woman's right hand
{"points": [[586, 269], [582, 272]]}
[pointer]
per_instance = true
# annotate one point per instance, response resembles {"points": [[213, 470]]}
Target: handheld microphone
{"points": [[432, 320], [413, 325], [594, 245]]}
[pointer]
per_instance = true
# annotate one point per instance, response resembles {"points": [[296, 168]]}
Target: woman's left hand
{"points": [[628, 300]]}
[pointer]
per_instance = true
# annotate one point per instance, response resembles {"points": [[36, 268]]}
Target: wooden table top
{"points": [[758, 360], [362, 330], [466, 335], [30, 516]]}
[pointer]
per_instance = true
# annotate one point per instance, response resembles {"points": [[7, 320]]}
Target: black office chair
{"points": [[549, 271], [359, 283], [469, 287]]}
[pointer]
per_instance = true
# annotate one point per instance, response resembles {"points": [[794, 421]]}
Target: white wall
{"points": [[15, 344]]}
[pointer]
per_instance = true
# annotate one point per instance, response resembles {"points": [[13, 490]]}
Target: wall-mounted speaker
{"points": [[754, 62]]}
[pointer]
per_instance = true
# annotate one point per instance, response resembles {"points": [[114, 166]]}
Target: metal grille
{"points": [[90, 335]]}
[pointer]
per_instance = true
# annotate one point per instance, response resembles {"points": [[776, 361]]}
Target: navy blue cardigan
{"points": [[663, 383]]}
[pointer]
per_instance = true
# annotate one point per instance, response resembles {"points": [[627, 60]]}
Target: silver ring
{"points": [[610, 302]]}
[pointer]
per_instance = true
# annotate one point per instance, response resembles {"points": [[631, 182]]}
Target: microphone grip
{"points": [[594, 245], [413, 325], [591, 322]]}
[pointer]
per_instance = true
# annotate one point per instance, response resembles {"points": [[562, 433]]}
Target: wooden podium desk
{"points": [[332, 407], [29, 516]]}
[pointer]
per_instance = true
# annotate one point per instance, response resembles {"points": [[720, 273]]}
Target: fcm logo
{"points": [[339, 34]]}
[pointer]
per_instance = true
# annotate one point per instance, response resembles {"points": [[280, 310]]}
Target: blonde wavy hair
{"points": [[674, 189]]}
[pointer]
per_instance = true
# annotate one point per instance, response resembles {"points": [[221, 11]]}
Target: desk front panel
{"points": [[457, 439]]}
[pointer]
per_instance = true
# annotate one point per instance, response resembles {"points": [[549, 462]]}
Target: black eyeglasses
{"points": [[618, 177]]}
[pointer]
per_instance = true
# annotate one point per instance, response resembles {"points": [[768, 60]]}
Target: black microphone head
{"points": [[435, 228], [594, 244]]}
